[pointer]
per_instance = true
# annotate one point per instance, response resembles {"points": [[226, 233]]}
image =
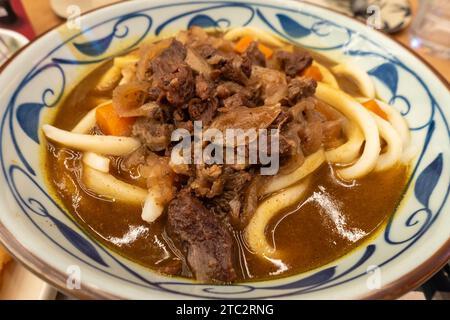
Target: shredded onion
{"points": [[129, 97], [197, 63], [110, 145], [255, 231]]}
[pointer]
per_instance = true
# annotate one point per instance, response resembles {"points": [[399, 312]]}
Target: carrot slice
{"points": [[313, 72], [244, 43], [265, 50], [373, 106], [110, 123]]}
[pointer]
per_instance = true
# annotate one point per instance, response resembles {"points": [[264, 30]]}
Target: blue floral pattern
{"points": [[21, 120]]}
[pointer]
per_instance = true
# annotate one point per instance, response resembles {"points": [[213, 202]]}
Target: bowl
{"points": [[413, 245]]}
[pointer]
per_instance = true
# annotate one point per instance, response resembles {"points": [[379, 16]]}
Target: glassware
{"points": [[431, 27]]}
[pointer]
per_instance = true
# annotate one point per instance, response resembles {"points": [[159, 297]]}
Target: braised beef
{"points": [[202, 237], [203, 87], [153, 134], [293, 63], [199, 77], [237, 69], [255, 55], [230, 201], [203, 110], [299, 88], [172, 75], [208, 181]]}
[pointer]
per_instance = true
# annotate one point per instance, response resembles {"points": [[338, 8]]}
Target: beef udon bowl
{"points": [[270, 156]]}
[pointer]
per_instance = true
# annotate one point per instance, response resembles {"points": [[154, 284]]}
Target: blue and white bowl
{"points": [[39, 233]]}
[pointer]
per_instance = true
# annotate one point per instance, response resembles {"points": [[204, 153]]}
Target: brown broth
{"points": [[332, 220]]}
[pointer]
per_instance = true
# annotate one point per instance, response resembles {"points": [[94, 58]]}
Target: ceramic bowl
{"points": [[38, 232]]}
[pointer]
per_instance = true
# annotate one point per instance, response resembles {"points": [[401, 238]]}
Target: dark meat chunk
{"points": [[204, 88], [204, 239], [230, 201], [299, 88], [228, 88], [202, 110], [311, 137], [255, 55], [155, 94], [236, 68], [153, 134], [134, 159], [172, 75], [208, 182], [292, 63]]}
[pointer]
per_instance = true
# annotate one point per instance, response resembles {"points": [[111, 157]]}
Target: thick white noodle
{"points": [[258, 34], [124, 61], [355, 112], [96, 161], [255, 230], [394, 147], [327, 76], [401, 126], [109, 145], [278, 182], [86, 123], [359, 77], [351, 149], [152, 209], [106, 185], [109, 79]]}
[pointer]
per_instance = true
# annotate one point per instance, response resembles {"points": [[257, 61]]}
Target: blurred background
{"points": [[421, 25]]}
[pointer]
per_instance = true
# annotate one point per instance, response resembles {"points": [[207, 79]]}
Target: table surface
{"points": [[42, 19]]}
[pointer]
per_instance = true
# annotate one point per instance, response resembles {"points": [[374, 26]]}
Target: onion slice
{"points": [[110, 145], [363, 118], [311, 164], [255, 230], [108, 186]]}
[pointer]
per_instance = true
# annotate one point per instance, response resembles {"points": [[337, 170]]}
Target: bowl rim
{"points": [[411, 280]]}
